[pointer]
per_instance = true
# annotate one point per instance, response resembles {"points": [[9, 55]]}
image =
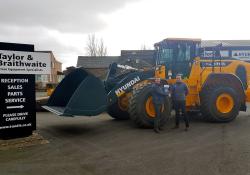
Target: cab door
{"points": [[182, 60]]}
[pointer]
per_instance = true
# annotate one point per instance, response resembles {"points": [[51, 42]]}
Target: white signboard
{"points": [[210, 54], [224, 53], [15, 62], [241, 54]]}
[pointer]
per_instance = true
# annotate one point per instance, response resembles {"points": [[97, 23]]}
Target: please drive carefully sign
{"points": [[17, 100], [17, 87], [15, 62]]}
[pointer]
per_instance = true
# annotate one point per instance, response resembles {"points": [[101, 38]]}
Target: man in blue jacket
{"points": [[179, 92], [159, 95]]}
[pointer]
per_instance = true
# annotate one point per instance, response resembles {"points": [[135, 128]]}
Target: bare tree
{"points": [[101, 49], [91, 45], [95, 47], [145, 47]]}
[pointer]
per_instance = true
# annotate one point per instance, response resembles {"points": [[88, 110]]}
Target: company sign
{"points": [[17, 100], [211, 54], [241, 54], [122, 89], [208, 54], [214, 64], [15, 62]]}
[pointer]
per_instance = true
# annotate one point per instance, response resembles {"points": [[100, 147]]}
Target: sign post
{"points": [[17, 90]]}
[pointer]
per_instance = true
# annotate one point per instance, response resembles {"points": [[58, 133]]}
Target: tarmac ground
{"points": [[104, 146]]}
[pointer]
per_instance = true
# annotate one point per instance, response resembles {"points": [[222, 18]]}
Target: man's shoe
{"points": [[186, 129], [161, 128], [157, 130], [176, 127]]}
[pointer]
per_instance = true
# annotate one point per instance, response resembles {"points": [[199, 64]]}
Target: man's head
{"points": [[158, 81], [178, 78]]}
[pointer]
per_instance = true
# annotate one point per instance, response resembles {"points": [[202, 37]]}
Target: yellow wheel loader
{"points": [[218, 87]]}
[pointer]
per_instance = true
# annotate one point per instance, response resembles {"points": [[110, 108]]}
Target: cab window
{"points": [[183, 53], [166, 55]]}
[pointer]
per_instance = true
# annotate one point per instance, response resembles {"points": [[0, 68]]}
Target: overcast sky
{"points": [[63, 26]]}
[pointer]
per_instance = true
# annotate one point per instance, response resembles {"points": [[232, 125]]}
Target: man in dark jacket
{"points": [[179, 92], [159, 94]]}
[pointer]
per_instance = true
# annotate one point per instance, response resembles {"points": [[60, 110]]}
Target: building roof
{"points": [[137, 54], [225, 43], [183, 39], [96, 62]]}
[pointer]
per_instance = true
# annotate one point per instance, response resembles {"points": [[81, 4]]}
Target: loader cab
{"points": [[177, 55]]}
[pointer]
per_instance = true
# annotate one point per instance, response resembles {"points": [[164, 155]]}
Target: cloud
{"points": [[43, 39], [63, 15], [57, 25]]}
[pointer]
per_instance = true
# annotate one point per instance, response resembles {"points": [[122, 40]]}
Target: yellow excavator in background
{"points": [[50, 87]]}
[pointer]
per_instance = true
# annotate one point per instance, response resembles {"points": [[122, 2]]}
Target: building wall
{"points": [[56, 66], [99, 72], [139, 56], [98, 66], [237, 52]]}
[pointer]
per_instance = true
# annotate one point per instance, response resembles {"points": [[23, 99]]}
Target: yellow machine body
{"points": [[198, 76]]}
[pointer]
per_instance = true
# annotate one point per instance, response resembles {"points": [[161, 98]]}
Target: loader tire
{"points": [[219, 103], [115, 112], [137, 108]]}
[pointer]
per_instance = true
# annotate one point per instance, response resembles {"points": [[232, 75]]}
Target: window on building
{"points": [[44, 78], [38, 78]]}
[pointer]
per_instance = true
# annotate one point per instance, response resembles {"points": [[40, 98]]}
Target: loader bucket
{"points": [[79, 93]]}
